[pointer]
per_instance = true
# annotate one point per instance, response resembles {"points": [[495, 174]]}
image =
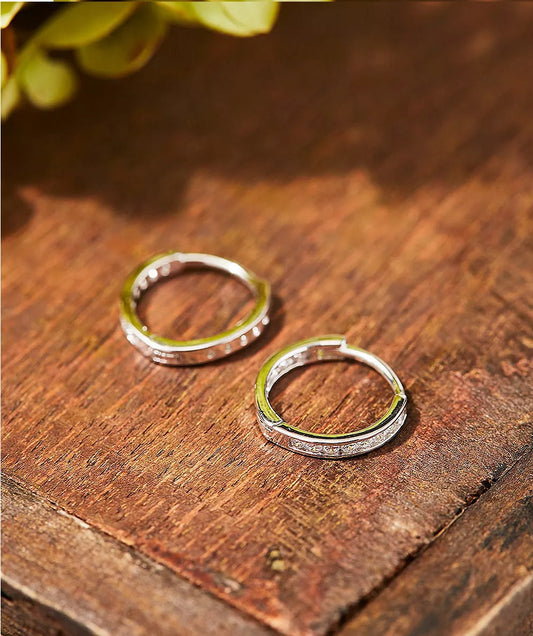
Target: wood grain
{"points": [[375, 164], [42, 545], [484, 565]]}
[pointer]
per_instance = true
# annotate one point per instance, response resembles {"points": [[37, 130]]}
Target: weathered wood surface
{"points": [[484, 568], [375, 164], [98, 573]]}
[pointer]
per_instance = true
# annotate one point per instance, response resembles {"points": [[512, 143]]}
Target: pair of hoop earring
{"points": [[203, 350]]}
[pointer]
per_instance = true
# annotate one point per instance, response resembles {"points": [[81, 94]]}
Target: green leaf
{"points": [[8, 11], [10, 96], [237, 18], [127, 48], [5, 71], [46, 82], [82, 23], [179, 12], [256, 16]]}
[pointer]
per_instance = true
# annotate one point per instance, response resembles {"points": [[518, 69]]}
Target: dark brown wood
{"points": [[484, 568], [42, 544], [375, 164], [22, 616]]}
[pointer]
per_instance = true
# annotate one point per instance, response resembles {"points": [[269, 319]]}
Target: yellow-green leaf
{"points": [[82, 23], [179, 12], [237, 18], [8, 11], [256, 16], [127, 48], [46, 82], [5, 71], [10, 96]]}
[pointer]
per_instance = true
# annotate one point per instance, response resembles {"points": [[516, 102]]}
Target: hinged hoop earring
{"points": [[199, 350], [325, 446]]}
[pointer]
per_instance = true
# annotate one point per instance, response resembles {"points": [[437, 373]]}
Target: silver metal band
{"points": [[320, 445], [200, 350]]}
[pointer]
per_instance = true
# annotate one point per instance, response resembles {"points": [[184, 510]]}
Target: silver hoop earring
{"points": [[200, 350], [320, 445]]}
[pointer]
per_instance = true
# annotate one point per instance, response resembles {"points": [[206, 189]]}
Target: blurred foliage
{"points": [[108, 39]]}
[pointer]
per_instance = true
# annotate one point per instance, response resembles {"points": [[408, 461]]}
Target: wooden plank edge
{"points": [[60, 575], [22, 616], [474, 579]]}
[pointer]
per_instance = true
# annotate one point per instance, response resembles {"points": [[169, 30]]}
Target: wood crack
{"points": [[351, 612]]}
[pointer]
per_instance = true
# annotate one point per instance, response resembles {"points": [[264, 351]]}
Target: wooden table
{"points": [[375, 163]]}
